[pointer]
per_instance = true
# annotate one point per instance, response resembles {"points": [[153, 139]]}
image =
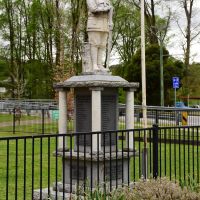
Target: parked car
{"points": [[195, 106], [180, 104]]}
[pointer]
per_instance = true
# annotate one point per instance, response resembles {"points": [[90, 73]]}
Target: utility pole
{"points": [[144, 108], [161, 72], [143, 65]]}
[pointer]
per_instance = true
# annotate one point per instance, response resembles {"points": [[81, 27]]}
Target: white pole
{"points": [[130, 118], [143, 66], [62, 123], [175, 97]]}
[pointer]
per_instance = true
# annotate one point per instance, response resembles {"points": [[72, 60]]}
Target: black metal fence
{"points": [[163, 116], [60, 166], [45, 120], [19, 121]]}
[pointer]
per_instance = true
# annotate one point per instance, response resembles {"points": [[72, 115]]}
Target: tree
{"points": [[29, 29], [193, 77], [190, 33], [126, 34], [38, 80], [132, 73]]}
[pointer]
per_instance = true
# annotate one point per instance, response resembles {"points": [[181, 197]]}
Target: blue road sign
{"points": [[175, 82]]}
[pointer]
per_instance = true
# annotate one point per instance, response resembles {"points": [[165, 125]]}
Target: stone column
{"points": [[96, 118], [130, 117], [62, 124]]}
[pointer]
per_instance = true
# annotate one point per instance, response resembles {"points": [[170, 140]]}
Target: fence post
{"points": [[156, 119], [13, 120], [155, 151], [42, 121]]}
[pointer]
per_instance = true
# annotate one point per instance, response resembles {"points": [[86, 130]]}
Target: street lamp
{"points": [[161, 37]]}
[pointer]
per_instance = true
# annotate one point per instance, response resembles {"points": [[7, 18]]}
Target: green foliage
{"points": [[131, 71], [126, 33], [192, 184], [193, 77], [172, 68], [3, 69], [39, 80]]}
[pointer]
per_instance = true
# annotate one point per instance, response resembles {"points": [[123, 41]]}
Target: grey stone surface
{"points": [[95, 81], [73, 155], [102, 187], [69, 196], [93, 173], [52, 196], [85, 168], [97, 73]]}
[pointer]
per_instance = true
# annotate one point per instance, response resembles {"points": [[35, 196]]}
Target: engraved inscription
{"points": [[83, 119], [109, 108], [78, 172], [116, 170]]}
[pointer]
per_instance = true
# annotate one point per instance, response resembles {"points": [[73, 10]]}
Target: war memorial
{"points": [[95, 157]]}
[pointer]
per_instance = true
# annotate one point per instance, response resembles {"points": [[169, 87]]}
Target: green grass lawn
{"points": [[9, 117], [32, 129]]}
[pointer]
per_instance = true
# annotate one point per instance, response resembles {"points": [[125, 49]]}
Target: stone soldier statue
{"points": [[98, 26]]}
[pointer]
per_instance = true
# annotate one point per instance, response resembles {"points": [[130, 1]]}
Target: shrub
{"points": [[160, 189]]}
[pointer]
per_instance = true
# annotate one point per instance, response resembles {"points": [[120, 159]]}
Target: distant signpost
{"points": [[176, 85], [176, 82]]}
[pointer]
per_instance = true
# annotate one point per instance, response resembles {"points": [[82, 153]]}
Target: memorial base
{"points": [[91, 170]]}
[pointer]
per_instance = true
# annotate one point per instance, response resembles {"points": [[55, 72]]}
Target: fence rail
{"points": [[45, 121], [18, 121], [62, 165], [163, 116]]}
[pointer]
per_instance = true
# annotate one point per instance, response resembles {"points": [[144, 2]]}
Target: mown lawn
{"points": [[35, 127], [9, 117], [29, 129]]}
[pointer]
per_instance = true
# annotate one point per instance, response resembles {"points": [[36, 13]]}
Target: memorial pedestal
{"points": [[85, 169], [95, 158]]}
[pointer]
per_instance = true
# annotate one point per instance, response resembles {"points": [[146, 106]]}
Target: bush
{"points": [[160, 189]]}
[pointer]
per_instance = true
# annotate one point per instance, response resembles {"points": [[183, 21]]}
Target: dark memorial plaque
{"points": [[115, 168], [78, 173], [83, 119], [108, 117]]}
